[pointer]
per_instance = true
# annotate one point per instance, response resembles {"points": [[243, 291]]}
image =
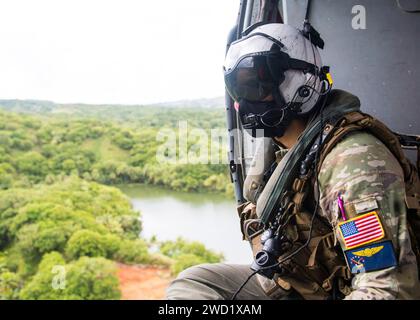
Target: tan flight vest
{"points": [[320, 267]]}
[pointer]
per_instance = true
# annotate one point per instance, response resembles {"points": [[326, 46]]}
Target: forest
{"points": [[104, 145], [60, 210]]}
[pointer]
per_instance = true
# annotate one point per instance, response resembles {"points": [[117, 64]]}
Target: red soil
{"points": [[143, 282]]}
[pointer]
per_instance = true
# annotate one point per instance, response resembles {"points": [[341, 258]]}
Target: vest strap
{"points": [[339, 271]]}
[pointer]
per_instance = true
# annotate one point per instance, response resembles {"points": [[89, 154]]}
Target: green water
{"points": [[209, 218]]}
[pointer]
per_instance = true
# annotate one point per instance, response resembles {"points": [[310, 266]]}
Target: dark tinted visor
{"points": [[251, 79], [254, 77]]}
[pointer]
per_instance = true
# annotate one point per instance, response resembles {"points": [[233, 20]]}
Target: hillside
{"points": [[62, 224], [87, 110], [110, 147]]}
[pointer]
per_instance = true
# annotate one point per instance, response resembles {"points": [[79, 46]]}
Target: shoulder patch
{"points": [[365, 205], [361, 230], [371, 257]]}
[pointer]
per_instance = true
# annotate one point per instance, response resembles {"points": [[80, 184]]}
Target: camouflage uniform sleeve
{"points": [[365, 173]]}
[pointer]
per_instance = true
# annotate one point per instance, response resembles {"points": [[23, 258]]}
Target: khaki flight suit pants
{"points": [[220, 281]]}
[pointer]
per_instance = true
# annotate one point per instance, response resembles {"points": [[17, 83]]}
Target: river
{"points": [[208, 218]]}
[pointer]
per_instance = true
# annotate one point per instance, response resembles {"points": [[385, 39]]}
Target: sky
{"points": [[113, 51]]}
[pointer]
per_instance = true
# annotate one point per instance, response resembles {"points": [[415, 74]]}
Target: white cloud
{"points": [[109, 51]]}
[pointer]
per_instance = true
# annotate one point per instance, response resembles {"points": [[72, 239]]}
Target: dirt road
{"points": [[143, 282]]}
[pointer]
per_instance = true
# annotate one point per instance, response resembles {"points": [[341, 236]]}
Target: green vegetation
{"points": [[81, 280], [187, 254], [58, 210], [37, 148], [76, 224]]}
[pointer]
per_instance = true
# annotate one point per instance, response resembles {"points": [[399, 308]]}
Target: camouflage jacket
{"points": [[364, 172], [367, 177]]}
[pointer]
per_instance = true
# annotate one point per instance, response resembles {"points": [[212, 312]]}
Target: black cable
{"points": [[315, 63], [243, 285], [406, 10], [313, 215], [324, 96], [308, 10]]}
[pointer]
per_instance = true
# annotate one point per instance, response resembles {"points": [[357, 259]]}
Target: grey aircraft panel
{"points": [[380, 64]]}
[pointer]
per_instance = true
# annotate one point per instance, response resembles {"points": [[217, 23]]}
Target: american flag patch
{"points": [[361, 230]]}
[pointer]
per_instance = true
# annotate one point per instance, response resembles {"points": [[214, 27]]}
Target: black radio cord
{"points": [[308, 10], [313, 214]]}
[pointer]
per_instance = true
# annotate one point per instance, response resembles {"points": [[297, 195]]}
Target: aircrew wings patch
{"points": [[361, 230], [371, 257]]}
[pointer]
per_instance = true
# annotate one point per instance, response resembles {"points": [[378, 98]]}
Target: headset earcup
{"points": [[304, 91]]}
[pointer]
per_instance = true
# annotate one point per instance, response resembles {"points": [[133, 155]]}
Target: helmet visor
{"points": [[255, 66], [250, 79]]}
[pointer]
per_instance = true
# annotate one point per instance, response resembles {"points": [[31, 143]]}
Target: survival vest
{"points": [[320, 268]]}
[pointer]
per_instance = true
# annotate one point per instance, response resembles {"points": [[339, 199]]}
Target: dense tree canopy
{"points": [[38, 148], [58, 213]]}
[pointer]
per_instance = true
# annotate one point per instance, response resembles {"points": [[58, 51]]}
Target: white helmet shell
{"points": [[296, 46]]}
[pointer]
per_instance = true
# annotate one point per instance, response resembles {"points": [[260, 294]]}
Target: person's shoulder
{"points": [[359, 153], [362, 144]]}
